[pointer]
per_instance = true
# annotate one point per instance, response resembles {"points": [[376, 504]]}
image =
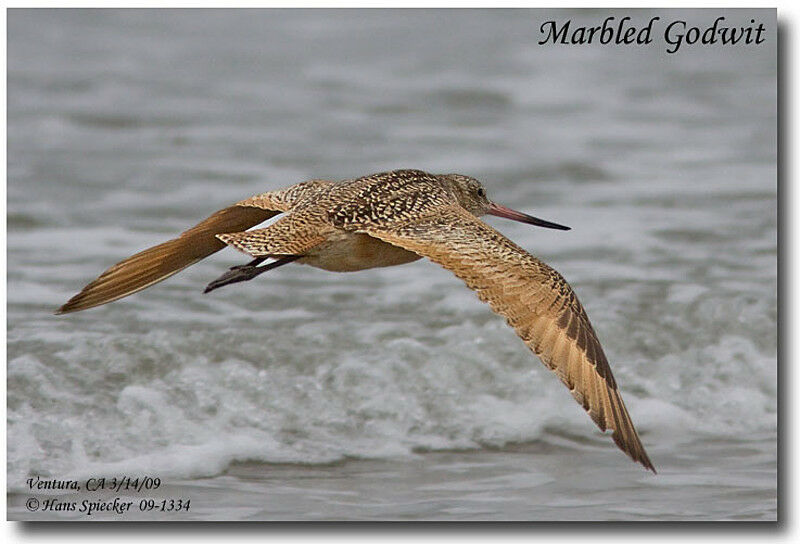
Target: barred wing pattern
{"points": [[159, 262], [535, 300]]}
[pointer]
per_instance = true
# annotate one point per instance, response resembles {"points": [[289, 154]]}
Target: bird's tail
{"points": [[162, 261]]}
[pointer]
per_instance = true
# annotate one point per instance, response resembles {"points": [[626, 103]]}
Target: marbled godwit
{"points": [[394, 218]]}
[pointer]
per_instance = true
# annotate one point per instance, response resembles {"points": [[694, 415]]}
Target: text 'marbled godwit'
{"points": [[394, 218]]}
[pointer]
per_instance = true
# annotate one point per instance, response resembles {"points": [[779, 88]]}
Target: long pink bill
{"points": [[508, 213]]}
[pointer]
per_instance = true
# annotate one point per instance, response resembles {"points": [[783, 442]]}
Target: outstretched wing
{"points": [[537, 302], [162, 261]]}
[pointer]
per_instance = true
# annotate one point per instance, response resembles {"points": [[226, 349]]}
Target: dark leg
{"points": [[242, 272], [248, 271]]}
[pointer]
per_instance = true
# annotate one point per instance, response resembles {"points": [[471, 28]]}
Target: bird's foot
{"points": [[244, 272], [234, 275]]}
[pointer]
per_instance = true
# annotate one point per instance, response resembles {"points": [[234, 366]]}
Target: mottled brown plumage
{"points": [[394, 218]]}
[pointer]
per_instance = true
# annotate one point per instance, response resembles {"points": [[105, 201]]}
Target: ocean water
{"points": [[390, 393]]}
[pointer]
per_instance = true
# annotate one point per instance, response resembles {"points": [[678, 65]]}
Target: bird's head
{"points": [[471, 195]]}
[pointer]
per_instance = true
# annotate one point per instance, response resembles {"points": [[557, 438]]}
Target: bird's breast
{"points": [[349, 252]]}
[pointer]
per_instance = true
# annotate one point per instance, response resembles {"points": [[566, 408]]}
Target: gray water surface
{"points": [[391, 393]]}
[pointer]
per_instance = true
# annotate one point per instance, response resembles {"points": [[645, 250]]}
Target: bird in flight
{"points": [[394, 218]]}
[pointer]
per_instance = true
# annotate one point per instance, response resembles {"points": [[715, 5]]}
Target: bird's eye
{"points": [[481, 192]]}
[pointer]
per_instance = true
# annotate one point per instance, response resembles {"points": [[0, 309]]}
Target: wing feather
{"points": [[535, 300], [159, 262], [164, 260]]}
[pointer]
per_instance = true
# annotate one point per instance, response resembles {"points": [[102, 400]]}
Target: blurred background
{"points": [[393, 393]]}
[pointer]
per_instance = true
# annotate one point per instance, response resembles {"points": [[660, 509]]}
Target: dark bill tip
{"points": [[508, 213]]}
